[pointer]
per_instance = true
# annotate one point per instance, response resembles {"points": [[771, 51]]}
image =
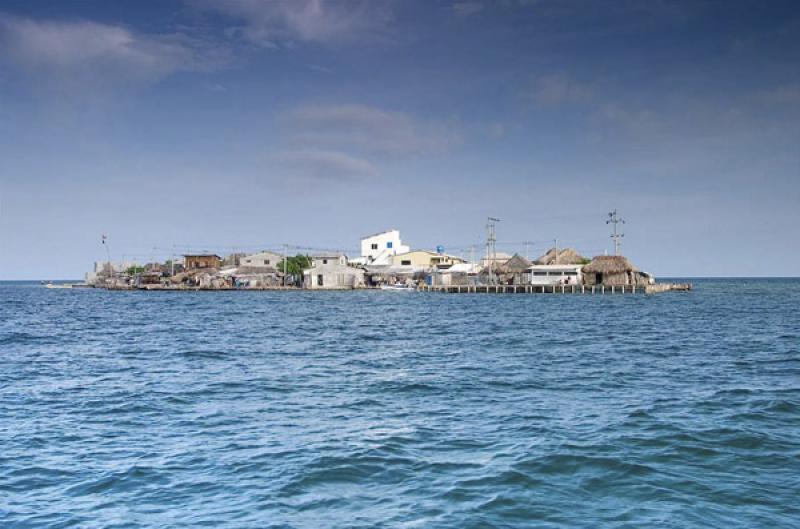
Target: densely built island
{"points": [[385, 263]]}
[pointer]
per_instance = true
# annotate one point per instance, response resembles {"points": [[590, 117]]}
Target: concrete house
{"points": [[378, 249], [261, 261], [424, 259], [555, 274], [496, 260], [332, 272]]}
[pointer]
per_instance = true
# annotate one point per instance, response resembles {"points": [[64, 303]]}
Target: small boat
{"points": [[54, 285], [398, 287]]}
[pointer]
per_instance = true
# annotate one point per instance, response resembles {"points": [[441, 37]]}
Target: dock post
{"points": [[603, 289], [612, 289]]}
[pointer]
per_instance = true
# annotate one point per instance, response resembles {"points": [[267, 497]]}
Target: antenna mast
{"points": [[491, 246], [614, 219]]}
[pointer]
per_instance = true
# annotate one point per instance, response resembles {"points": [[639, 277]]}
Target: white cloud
{"points": [[367, 129], [269, 23], [88, 52], [327, 165]]}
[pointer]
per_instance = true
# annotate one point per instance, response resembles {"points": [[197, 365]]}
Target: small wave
{"points": [[123, 481], [356, 469]]}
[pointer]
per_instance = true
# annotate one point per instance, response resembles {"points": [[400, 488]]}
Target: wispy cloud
{"points": [[367, 129], [466, 8], [327, 165], [557, 89], [90, 52], [352, 141], [270, 23], [785, 95]]}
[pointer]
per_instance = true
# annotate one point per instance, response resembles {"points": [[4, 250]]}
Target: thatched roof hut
{"points": [[565, 256], [516, 265], [607, 264], [613, 270]]}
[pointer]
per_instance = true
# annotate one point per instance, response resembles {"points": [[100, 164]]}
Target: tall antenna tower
{"points": [[614, 219], [491, 245]]}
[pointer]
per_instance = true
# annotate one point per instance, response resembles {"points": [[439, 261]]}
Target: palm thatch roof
{"points": [[516, 264], [609, 264], [565, 256]]}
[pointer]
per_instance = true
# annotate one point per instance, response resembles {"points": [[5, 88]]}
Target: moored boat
{"points": [[398, 287]]}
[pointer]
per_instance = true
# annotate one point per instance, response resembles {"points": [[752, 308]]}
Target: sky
{"points": [[173, 126]]}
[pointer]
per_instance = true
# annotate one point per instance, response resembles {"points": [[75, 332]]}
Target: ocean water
{"points": [[387, 409]]}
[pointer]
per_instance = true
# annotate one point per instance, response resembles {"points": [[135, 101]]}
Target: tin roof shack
{"points": [[613, 270], [232, 259], [459, 274], [555, 274], [200, 261], [391, 275], [153, 277], [331, 272]]}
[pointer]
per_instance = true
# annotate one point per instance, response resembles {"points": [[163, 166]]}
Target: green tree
{"points": [[295, 265], [133, 270]]}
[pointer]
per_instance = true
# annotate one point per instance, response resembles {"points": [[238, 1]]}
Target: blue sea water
{"points": [[386, 409]]}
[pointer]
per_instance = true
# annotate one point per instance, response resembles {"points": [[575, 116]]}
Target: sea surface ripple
{"points": [[385, 409]]}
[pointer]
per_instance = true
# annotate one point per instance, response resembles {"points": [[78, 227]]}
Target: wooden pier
{"points": [[556, 289]]}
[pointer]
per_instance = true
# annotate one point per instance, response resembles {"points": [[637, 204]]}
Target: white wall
{"points": [[257, 259], [556, 274], [328, 260], [381, 246]]}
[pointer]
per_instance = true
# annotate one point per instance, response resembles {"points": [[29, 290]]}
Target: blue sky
{"points": [[246, 124]]}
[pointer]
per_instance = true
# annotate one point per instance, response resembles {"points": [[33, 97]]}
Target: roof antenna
{"points": [[614, 220]]}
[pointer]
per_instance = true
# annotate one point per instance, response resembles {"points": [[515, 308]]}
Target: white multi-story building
{"points": [[378, 249]]}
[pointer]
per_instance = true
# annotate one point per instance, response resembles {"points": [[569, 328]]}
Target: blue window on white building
{"points": [[389, 244]]}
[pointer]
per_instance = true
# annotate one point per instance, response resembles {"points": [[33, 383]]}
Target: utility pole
{"points": [[491, 244], [555, 251], [285, 252], [103, 239], [614, 219]]}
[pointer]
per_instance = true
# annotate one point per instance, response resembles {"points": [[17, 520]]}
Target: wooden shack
{"points": [[197, 261]]}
